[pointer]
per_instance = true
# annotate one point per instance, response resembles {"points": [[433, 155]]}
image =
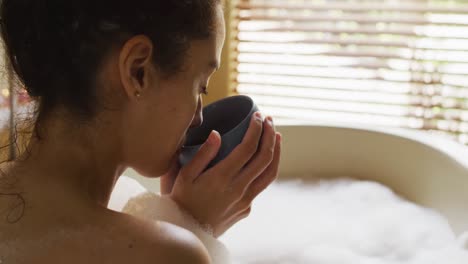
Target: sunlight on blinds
{"points": [[4, 92], [400, 63]]}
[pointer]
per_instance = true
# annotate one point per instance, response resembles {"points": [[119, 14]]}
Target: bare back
{"points": [[91, 235]]}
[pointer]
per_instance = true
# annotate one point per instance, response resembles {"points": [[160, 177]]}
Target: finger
{"points": [[238, 214], [243, 214], [246, 149], [204, 156], [236, 217], [261, 160], [268, 176]]}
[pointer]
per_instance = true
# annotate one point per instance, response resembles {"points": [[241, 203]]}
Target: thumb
{"points": [[204, 156]]}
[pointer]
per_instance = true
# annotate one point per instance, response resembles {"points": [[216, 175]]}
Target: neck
{"points": [[77, 162]]}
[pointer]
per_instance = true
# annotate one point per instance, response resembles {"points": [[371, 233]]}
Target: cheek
{"points": [[176, 119], [162, 126]]}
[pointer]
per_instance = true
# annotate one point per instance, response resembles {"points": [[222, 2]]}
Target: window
{"points": [[14, 103], [396, 63]]}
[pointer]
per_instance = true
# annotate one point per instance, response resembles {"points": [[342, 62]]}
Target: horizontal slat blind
{"points": [[400, 63]]}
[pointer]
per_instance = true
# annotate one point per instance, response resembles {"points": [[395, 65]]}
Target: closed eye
{"points": [[204, 90]]}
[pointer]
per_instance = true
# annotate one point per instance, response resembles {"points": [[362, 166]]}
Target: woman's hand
{"points": [[222, 195]]}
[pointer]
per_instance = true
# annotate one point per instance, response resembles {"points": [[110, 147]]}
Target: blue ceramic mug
{"points": [[230, 117]]}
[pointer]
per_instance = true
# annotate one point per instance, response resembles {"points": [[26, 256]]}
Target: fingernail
{"points": [[258, 117], [270, 121], [212, 137]]}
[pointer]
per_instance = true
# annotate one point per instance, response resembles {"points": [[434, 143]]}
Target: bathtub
{"points": [[426, 169]]}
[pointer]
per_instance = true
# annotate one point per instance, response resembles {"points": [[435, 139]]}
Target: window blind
{"points": [[396, 63]]}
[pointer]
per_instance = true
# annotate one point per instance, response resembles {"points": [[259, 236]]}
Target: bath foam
{"points": [[342, 222]]}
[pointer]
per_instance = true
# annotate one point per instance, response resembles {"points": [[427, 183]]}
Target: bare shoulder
{"points": [[112, 239], [182, 246], [163, 241]]}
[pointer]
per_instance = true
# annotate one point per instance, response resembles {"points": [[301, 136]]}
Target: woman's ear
{"points": [[135, 63]]}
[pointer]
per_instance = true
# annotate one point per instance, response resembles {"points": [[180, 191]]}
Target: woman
{"points": [[117, 85]]}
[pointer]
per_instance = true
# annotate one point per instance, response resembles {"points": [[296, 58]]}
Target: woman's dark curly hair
{"points": [[56, 46]]}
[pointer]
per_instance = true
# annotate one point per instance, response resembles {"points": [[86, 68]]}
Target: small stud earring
{"points": [[137, 94]]}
